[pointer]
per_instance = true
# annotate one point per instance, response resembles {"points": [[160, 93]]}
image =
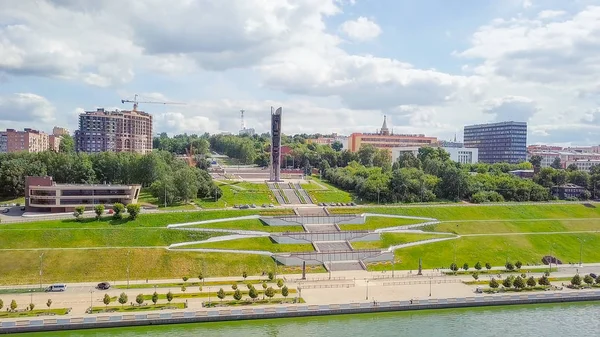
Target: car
{"points": [[263, 205], [594, 276], [23, 209], [352, 204], [6, 210], [271, 205], [244, 206], [103, 286], [57, 287], [253, 206]]}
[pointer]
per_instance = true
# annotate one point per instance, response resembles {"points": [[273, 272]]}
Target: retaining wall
{"points": [[215, 315]]}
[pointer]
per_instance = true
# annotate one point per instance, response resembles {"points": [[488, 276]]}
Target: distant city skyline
{"points": [[334, 65]]}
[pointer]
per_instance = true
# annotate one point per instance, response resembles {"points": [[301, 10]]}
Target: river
{"points": [[564, 320]]}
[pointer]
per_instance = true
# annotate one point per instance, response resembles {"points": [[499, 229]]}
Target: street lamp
{"points": [[367, 295], [91, 302], [30, 297], [430, 279]]}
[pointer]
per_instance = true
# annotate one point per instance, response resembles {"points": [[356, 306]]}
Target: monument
{"points": [[275, 160], [420, 268]]}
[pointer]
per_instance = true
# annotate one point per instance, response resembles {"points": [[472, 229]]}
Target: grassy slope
{"points": [[330, 194], [147, 198], [518, 226], [487, 212], [373, 223], [105, 237], [240, 193], [497, 249], [111, 265], [255, 244], [10, 200], [249, 225], [390, 239]]}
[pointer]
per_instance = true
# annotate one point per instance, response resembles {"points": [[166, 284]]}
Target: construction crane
{"points": [[136, 102]]}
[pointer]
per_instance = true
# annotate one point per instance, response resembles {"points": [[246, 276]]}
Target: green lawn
{"points": [[330, 194], [95, 265], [261, 243], [147, 198], [11, 200], [497, 249], [33, 313], [240, 193], [192, 292], [518, 226], [249, 225], [376, 222], [485, 212], [104, 237], [136, 308], [391, 239]]}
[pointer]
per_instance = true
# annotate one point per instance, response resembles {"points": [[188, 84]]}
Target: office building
{"points": [[28, 140], [384, 139], [504, 142], [114, 131], [459, 155], [42, 194]]}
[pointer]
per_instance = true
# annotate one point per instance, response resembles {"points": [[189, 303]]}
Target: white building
{"points": [[458, 154], [583, 164], [566, 157], [247, 131]]}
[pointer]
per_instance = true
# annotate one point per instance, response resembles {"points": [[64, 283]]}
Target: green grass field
{"points": [[18, 200], [518, 226], [391, 239], [32, 313], [95, 265], [105, 237], [136, 308], [147, 198], [376, 222], [240, 193], [329, 194], [261, 243], [249, 225], [497, 249], [485, 212]]}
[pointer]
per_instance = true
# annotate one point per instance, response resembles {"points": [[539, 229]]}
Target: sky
{"points": [[431, 66]]}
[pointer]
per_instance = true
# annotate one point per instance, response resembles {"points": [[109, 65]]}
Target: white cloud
{"points": [[511, 108], [361, 29], [527, 3], [550, 14], [26, 107]]}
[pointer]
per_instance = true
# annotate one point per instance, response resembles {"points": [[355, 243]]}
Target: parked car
{"points": [[594, 276], [57, 287], [253, 206], [103, 286], [23, 209], [6, 210], [271, 205]]}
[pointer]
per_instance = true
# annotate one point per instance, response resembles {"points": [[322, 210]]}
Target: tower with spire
{"points": [[384, 128]]}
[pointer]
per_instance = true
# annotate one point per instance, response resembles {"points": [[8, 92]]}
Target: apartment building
{"points": [[583, 156], [42, 194], [504, 142], [460, 155], [384, 139], [115, 131], [28, 140]]}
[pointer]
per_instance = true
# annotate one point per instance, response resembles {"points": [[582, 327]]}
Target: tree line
{"points": [[169, 179]]}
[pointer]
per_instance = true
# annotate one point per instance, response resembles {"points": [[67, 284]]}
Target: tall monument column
{"points": [[275, 159]]}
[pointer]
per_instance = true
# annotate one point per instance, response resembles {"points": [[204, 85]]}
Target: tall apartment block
{"points": [[28, 140], [504, 142], [114, 131]]}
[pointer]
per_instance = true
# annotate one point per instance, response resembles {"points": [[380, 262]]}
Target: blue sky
{"points": [[432, 66]]}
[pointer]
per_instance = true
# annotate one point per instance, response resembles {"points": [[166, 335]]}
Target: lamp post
{"points": [[41, 264], [91, 302], [430, 279], [367, 294], [30, 296]]}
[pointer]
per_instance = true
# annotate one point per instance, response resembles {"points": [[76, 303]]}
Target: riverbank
{"points": [[288, 311]]}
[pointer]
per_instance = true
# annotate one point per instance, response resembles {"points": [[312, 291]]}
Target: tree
{"points": [[244, 275], [572, 167], [518, 265], [478, 265], [518, 283], [556, 164], [271, 276], [285, 291], [169, 296], [49, 303], [531, 282], [337, 146], [133, 210], [185, 278], [509, 266], [99, 210], [155, 298], [67, 144], [264, 286], [576, 280], [221, 294], [1, 304], [466, 266], [280, 283], [139, 299], [118, 209], [544, 281], [183, 289], [493, 283], [78, 212], [253, 293], [31, 306], [234, 286], [200, 276], [123, 298], [237, 295], [106, 300], [270, 292], [454, 267], [13, 305], [507, 282], [536, 161], [588, 280], [488, 266], [476, 275], [598, 279]]}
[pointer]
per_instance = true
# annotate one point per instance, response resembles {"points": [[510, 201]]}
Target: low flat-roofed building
{"points": [[568, 191], [42, 194], [460, 155]]}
